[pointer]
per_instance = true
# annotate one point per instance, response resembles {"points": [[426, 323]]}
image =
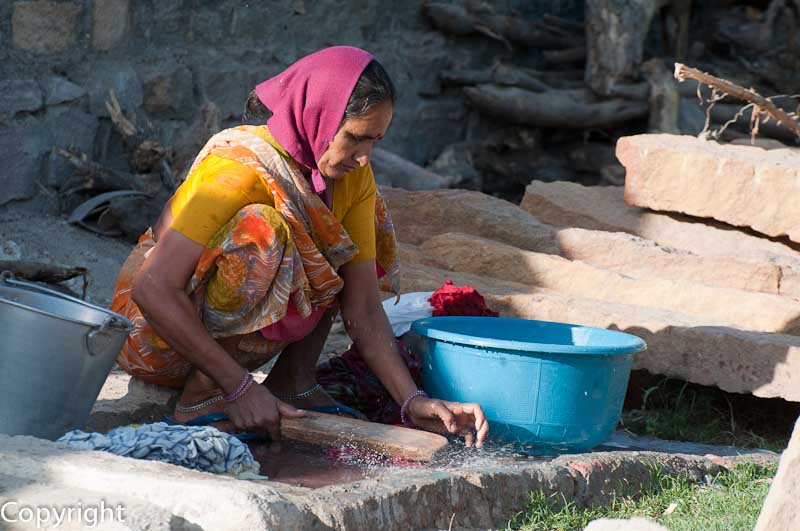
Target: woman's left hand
{"points": [[450, 417]]}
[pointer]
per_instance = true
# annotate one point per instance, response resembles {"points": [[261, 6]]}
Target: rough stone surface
{"points": [[639, 258], [122, 79], [482, 490], [110, 23], [20, 159], [680, 346], [418, 216], [618, 251], [58, 89], [745, 186], [227, 84], [780, 507], [619, 524], [19, 95], [566, 204], [44, 27], [50, 239], [168, 90], [741, 309], [185, 493]]}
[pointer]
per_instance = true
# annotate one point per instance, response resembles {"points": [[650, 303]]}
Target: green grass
{"points": [[730, 502], [680, 411]]}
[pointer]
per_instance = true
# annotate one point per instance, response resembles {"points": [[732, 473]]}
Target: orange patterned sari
{"points": [[264, 259]]}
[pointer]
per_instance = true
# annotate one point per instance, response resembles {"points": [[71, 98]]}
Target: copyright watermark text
{"points": [[51, 516]]}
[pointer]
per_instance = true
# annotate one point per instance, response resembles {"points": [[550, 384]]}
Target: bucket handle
{"points": [[113, 320]]}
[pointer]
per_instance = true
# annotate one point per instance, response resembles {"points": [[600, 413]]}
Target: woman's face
{"points": [[352, 146]]}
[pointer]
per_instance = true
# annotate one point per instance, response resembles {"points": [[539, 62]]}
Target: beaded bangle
{"points": [[404, 409], [247, 381]]}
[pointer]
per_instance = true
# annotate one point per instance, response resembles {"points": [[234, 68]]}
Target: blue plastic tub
{"points": [[550, 387]]}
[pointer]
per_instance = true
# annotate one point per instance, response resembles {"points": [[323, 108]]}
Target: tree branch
{"points": [[761, 104]]}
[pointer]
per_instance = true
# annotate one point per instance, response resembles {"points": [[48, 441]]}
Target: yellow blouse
{"points": [[220, 187]]}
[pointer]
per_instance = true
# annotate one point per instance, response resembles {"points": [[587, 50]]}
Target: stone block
{"points": [[59, 89], [745, 186], [185, 493], [681, 346], [780, 507], [564, 204], [65, 127], [227, 83], [418, 216], [639, 258], [168, 90], [123, 79], [712, 305], [42, 26], [19, 95], [22, 145], [110, 23]]}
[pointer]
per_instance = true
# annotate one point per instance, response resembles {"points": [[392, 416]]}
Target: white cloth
{"points": [[409, 308]]}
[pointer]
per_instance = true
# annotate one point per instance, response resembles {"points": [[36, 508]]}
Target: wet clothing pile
{"points": [[198, 447], [349, 380]]}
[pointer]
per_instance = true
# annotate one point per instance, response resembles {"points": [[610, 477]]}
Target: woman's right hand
{"points": [[259, 411]]}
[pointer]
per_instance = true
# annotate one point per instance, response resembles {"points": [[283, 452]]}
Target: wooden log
{"points": [[664, 98], [615, 34], [570, 109], [145, 153], [500, 74], [576, 54], [92, 176], [527, 78], [330, 430], [456, 20], [403, 173]]}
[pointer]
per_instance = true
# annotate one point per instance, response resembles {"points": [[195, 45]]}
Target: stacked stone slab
{"points": [[487, 258], [745, 186], [682, 346], [715, 314], [420, 216], [564, 204]]}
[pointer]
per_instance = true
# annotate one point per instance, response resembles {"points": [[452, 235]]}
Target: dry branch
{"points": [[91, 176], [569, 109], [41, 272], [762, 105]]}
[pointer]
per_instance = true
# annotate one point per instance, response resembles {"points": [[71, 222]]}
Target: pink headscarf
{"points": [[308, 101]]}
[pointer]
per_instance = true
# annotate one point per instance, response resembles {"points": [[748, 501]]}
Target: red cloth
{"points": [[454, 300]]}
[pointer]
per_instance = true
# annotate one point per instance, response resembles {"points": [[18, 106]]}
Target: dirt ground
{"points": [[25, 235]]}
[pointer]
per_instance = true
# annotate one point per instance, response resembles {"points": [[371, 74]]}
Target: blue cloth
{"points": [[198, 447]]}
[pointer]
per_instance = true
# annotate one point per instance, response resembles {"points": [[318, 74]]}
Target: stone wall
{"points": [[163, 58]]}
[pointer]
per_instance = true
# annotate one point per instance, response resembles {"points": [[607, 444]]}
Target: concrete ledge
{"points": [[482, 488]]}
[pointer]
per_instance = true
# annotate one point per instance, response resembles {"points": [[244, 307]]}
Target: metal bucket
{"points": [[55, 354]]}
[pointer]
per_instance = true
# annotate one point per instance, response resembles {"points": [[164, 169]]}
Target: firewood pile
{"points": [[612, 76], [125, 202]]}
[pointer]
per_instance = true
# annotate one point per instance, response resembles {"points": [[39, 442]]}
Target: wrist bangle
{"points": [[247, 381], [404, 408]]}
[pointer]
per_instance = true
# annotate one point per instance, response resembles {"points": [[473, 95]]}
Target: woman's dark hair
{"points": [[372, 88]]}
